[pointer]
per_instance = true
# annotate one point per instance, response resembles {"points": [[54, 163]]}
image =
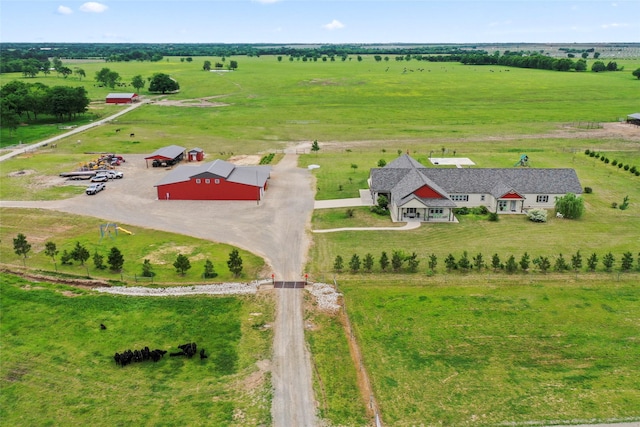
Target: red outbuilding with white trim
{"points": [[217, 180], [122, 98]]}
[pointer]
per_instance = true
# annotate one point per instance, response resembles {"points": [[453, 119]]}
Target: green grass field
{"points": [[466, 351], [58, 367], [160, 248], [272, 103], [450, 349]]}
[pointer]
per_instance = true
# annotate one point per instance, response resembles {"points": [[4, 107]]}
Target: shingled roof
{"points": [[405, 175]]}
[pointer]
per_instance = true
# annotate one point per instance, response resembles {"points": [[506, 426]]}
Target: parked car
{"points": [[95, 188], [100, 177], [110, 174]]}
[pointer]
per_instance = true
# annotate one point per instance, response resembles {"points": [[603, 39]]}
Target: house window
{"points": [[542, 199], [436, 212], [216, 181], [410, 212], [207, 181], [482, 197], [459, 197], [502, 205], [198, 180]]}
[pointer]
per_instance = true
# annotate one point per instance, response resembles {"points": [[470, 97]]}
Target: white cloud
{"points": [[266, 1], [93, 7], [64, 10], [614, 25], [333, 25]]}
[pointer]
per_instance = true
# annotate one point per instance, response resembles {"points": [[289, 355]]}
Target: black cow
{"points": [[202, 355], [102, 326]]}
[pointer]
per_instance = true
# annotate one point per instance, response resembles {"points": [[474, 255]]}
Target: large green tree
{"points": [[163, 83], [138, 82], [107, 77]]}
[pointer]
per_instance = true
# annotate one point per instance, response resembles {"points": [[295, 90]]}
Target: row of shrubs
{"points": [[632, 169], [401, 262], [265, 160]]}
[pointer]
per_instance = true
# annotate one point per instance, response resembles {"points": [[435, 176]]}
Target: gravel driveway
{"points": [[276, 229]]}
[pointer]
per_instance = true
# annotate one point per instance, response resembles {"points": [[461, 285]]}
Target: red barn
{"points": [[122, 98], [217, 180]]}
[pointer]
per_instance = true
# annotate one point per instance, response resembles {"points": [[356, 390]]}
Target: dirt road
{"points": [[276, 229]]}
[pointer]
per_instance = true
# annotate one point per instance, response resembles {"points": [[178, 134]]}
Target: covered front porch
{"points": [[419, 211]]}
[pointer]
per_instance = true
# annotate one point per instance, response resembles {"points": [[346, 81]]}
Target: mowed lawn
{"points": [[58, 368], [470, 351]]}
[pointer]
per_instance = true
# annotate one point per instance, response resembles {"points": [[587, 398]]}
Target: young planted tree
{"points": [[147, 269], [576, 261], [21, 247], [367, 263], [209, 272], [115, 259], [354, 167], [66, 258], [98, 261], [354, 264], [338, 264], [463, 263], [511, 265], [413, 262], [51, 250], [450, 263], [592, 262], [524, 262], [182, 264], [543, 263], [433, 262], [478, 262], [397, 259], [560, 264], [495, 262], [80, 253], [315, 147], [384, 261], [235, 263], [608, 261], [626, 262]]}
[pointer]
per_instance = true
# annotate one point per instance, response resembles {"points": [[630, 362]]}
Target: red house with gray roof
{"points": [[216, 180], [418, 193]]}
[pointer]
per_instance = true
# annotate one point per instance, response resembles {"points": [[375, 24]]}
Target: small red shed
{"points": [[196, 154], [122, 98]]}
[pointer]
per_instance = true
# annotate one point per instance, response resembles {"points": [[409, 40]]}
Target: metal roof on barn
{"points": [[248, 175], [169, 152]]}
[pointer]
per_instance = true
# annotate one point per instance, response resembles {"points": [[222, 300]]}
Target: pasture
{"points": [[58, 367], [435, 346], [495, 351], [271, 103]]}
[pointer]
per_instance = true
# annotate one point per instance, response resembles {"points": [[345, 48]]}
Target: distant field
{"points": [[470, 351], [272, 103]]}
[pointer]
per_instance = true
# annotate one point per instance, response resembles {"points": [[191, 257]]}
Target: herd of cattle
{"points": [[128, 356]]}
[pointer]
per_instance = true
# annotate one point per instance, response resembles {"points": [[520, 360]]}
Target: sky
{"points": [[320, 21]]}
